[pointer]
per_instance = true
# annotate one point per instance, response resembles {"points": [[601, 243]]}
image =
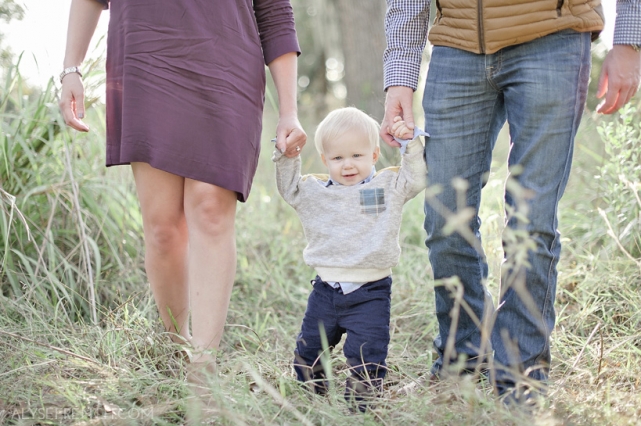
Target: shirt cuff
{"points": [[627, 27], [399, 73], [280, 45]]}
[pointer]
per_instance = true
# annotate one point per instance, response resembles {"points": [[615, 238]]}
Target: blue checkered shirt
{"points": [[406, 24]]}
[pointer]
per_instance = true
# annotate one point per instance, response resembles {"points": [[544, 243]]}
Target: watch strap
{"points": [[69, 71]]}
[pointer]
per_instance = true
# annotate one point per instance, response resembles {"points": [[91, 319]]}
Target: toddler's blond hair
{"points": [[342, 120]]}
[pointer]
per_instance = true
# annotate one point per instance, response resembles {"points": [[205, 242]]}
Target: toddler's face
{"points": [[349, 157]]}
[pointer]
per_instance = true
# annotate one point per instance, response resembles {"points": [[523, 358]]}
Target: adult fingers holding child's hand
{"points": [[400, 129], [295, 142], [398, 103], [291, 137]]}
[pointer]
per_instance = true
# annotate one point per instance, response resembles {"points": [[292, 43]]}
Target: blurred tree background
{"points": [[343, 44], [341, 65], [9, 10]]}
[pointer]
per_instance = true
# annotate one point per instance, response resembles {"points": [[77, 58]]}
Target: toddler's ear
{"points": [[376, 154], [324, 160]]}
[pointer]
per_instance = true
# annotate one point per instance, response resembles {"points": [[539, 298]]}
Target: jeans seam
{"points": [[555, 258], [494, 69], [480, 256]]}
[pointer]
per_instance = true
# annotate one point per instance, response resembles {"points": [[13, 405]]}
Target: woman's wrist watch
{"points": [[69, 71]]}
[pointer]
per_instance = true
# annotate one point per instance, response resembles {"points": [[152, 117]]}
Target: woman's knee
{"points": [[211, 212], [165, 234]]}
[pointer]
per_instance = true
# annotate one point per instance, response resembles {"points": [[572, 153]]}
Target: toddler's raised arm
{"points": [[287, 176], [412, 176]]}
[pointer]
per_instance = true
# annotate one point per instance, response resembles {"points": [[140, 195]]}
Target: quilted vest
{"points": [[486, 26]]}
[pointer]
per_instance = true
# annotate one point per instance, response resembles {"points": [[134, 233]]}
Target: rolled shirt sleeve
{"points": [[627, 27], [406, 24], [276, 27]]}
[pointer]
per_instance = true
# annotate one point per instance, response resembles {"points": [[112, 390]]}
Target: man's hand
{"points": [[398, 103], [290, 136], [620, 77]]}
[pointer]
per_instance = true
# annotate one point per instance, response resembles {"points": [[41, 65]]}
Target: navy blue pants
{"points": [[364, 316]]}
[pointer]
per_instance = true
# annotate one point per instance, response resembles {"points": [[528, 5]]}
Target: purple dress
{"points": [[186, 84]]}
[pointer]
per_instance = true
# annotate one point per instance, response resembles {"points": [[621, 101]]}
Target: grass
{"points": [[61, 368]]}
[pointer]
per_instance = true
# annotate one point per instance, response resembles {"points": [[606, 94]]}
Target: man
{"points": [[527, 63]]}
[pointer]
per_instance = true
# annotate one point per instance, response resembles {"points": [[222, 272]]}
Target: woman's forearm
{"points": [[83, 19], [289, 134], [284, 73]]}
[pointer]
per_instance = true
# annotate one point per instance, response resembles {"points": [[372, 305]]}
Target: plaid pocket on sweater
{"points": [[372, 201]]}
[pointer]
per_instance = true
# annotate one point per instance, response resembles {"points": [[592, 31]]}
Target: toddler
{"points": [[351, 219]]}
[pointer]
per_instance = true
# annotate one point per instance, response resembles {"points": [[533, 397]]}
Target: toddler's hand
{"points": [[400, 129]]}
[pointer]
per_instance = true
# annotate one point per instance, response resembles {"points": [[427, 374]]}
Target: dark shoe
{"points": [[527, 397], [319, 384], [313, 377], [361, 392]]}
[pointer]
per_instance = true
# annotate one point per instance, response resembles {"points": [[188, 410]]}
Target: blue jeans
{"points": [[540, 88], [364, 315]]}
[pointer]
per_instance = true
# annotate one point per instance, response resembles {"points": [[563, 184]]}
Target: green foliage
{"points": [[619, 181], [126, 371], [9, 10], [79, 235]]}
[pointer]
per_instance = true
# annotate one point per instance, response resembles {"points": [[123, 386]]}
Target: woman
{"points": [[185, 93]]}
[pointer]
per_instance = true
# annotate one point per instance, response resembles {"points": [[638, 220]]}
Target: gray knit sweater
{"points": [[352, 231]]}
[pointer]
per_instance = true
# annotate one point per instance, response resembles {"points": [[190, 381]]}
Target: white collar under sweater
{"points": [[331, 181]]}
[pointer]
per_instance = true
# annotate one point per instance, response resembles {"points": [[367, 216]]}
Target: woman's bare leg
{"points": [[210, 212], [161, 196]]}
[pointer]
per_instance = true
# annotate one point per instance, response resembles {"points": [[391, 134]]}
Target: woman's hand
{"points": [[72, 102], [83, 18], [290, 136]]}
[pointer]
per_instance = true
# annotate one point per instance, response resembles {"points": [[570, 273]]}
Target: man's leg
{"points": [[464, 112], [544, 83]]}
